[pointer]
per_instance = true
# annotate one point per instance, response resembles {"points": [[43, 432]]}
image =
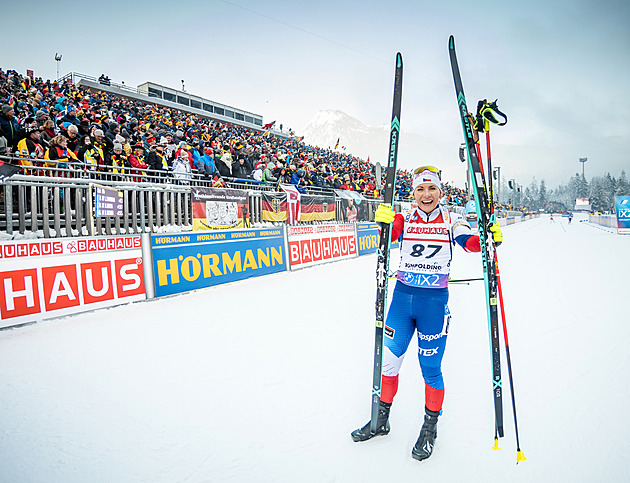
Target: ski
{"points": [[484, 220], [382, 266]]}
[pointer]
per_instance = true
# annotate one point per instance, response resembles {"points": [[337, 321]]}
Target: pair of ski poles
{"points": [[489, 113]]}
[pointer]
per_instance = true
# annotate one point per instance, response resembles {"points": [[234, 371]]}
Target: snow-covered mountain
{"points": [[360, 140]]}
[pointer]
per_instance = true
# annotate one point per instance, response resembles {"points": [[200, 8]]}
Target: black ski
{"points": [[382, 266], [484, 221]]}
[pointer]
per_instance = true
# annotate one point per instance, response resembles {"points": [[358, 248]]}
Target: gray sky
{"points": [[559, 69]]}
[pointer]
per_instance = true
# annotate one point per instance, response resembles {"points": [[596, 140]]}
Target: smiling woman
{"points": [[420, 299]]}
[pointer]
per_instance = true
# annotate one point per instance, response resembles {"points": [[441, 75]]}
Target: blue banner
{"points": [[367, 238], [622, 207], [471, 214], [183, 262]]}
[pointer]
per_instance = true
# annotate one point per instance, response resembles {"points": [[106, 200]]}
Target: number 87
{"points": [[416, 250]]}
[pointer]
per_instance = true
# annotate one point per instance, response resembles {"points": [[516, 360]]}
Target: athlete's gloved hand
{"points": [[384, 214], [497, 234]]}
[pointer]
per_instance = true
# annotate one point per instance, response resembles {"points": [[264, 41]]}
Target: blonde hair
{"points": [[57, 140]]}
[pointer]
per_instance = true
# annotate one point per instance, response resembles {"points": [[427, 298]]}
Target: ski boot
{"points": [[428, 434], [382, 427]]}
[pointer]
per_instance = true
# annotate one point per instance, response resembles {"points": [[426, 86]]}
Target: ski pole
{"points": [[519, 454], [497, 432]]}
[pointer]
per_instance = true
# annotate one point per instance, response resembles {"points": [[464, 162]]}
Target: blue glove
{"points": [[384, 214], [497, 234]]}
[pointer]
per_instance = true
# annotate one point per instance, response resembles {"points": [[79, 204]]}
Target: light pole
{"points": [[583, 160], [583, 193], [58, 59]]}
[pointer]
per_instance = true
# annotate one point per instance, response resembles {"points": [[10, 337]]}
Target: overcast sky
{"points": [[560, 69]]}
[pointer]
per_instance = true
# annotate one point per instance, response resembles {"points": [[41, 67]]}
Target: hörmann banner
{"points": [[51, 278], [367, 238], [183, 262], [315, 244]]}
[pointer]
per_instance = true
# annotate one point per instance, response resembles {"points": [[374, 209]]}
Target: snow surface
{"points": [[263, 380]]}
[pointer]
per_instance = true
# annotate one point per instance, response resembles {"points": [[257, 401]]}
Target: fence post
{"points": [[8, 204], [89, 215], [56, 212], [134, 210], [186, 202], [126, 211], [78, 202], [149, 195], [34, 210], [67, 210], [171, 197], [158, 209], [164, 200], [21, 209], [45, 212]]}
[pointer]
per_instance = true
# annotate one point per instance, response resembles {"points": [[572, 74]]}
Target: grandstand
{"points": [[152, 93], [155, 145]]}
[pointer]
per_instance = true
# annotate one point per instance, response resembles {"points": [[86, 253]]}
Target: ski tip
{"points": [[451, 42], [520, 457], [496, 445], [398, 60]]}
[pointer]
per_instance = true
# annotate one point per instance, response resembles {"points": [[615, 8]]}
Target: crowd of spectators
{"points": [[65, 130]]}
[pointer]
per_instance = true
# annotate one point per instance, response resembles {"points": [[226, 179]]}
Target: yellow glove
{"points": [[384, 214], [497, 234]]}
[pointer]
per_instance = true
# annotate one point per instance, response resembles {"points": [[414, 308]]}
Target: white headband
{"points": [[426, 176]]}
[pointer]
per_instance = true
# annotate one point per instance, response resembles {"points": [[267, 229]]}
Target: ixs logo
{"points": [[623, 213], [428, 352], [34, 290]]}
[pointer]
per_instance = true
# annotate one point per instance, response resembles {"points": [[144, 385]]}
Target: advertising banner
{"points": [[471, 214], [183, 262], [44, 279], [219, 208], [317, 244], [368, 237], [622, 207]]}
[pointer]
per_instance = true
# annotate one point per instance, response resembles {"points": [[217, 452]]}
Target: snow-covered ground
{"points": [[263, 380]]}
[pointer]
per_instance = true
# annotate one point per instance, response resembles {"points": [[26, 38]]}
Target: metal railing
{"points": [[63, 207], [76, 76], [53, 199]]}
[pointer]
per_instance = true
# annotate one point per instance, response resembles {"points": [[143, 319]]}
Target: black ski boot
{"points": [[428, 434], [382, 427]]}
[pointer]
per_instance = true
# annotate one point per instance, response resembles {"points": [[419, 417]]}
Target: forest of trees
{"points": [[601, 191]]}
